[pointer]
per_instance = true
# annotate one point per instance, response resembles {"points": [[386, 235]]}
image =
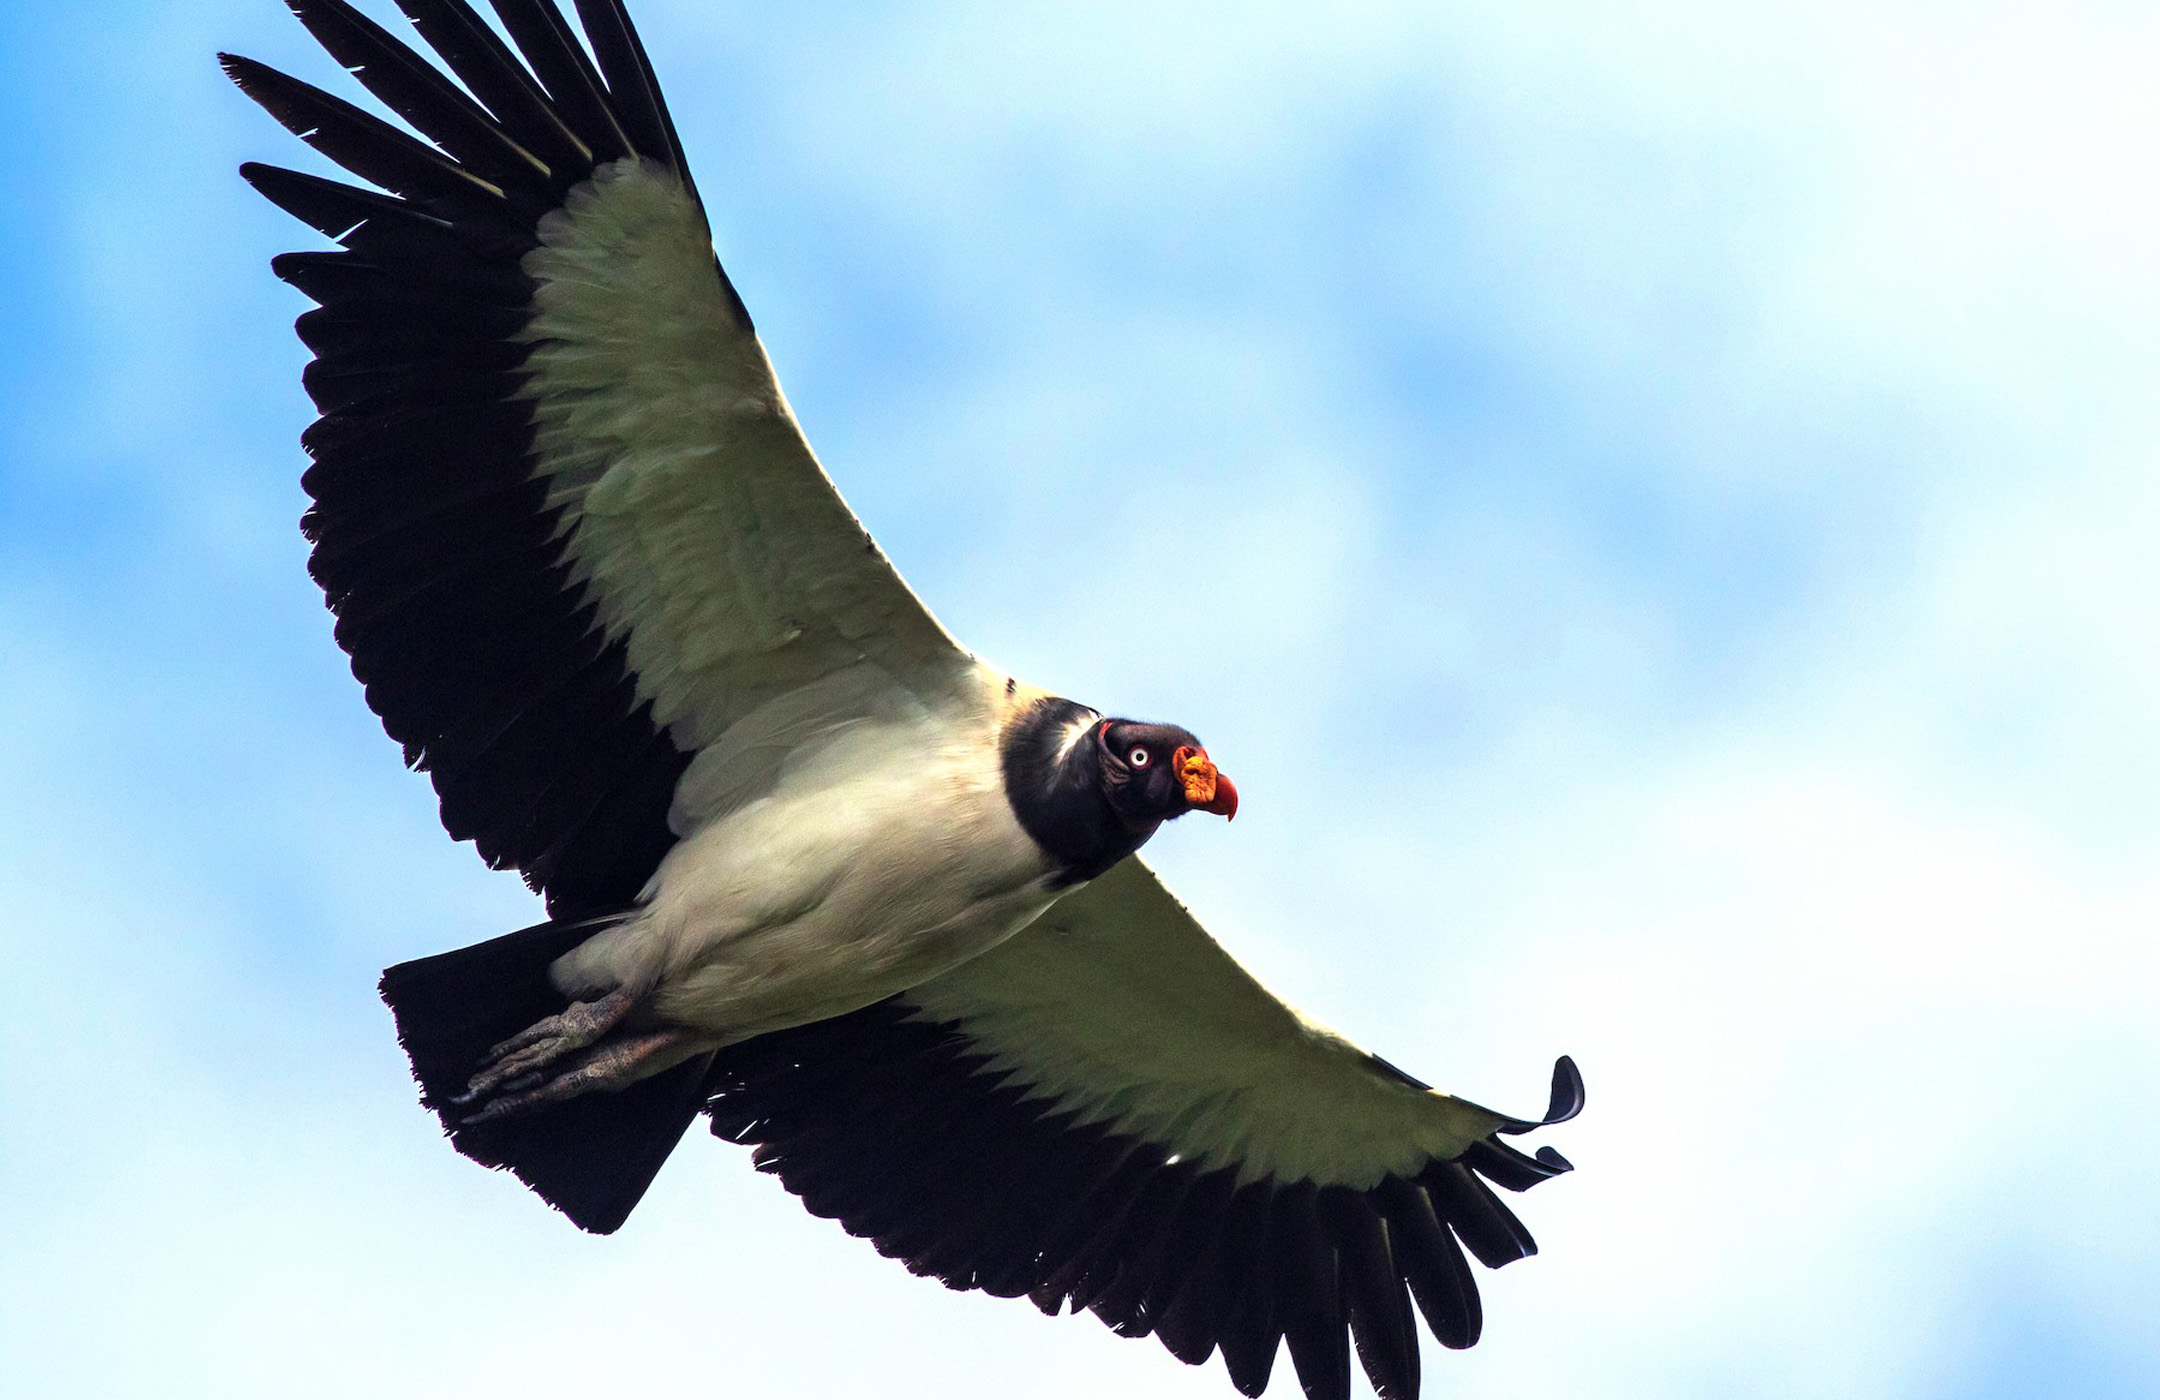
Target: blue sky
{"points": [[1679, 489]]}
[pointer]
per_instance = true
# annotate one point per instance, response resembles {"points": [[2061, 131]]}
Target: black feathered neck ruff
{"points": [[1060, 798]]}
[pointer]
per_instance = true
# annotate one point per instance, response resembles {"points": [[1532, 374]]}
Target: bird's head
{"points": [[1156, 772], [1091, 791]]}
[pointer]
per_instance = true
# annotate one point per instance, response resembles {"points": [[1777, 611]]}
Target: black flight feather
{"points": [[1372, 1293], [492, 73], [434, 544], [544, 38], [633, 91], [417, 91]]}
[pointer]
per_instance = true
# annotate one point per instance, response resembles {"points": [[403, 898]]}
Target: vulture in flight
{"points": [[812, 869]]}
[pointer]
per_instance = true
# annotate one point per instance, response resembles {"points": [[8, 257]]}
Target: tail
{"points": [[590, 1157]]}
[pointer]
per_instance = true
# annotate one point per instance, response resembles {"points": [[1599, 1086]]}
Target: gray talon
{"points": [[615, 1065], [514, 1065]]}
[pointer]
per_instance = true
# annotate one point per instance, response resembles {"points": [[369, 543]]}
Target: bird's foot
{"points": [[617, 1064], [545, 1041]]}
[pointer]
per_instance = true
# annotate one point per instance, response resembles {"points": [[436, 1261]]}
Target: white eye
{"points": [[1138, 758]]}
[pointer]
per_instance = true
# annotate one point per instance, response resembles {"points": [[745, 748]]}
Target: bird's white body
{"points": [[883, 856]]}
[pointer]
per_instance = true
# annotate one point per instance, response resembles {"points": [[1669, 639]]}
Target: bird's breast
{"points": [[888, 856]]}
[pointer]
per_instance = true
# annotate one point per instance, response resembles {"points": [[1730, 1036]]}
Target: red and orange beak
{"points": [[1206, 789]]}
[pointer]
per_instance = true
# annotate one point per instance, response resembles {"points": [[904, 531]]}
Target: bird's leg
{"points": [[547, 1040], [616, 1064]]}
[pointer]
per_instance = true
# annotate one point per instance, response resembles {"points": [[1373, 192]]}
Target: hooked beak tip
{"points": [[1225, 803]]}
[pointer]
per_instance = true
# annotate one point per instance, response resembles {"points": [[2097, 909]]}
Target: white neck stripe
{"points": [[1075, 732]]}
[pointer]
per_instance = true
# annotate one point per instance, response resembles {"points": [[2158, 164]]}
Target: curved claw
{"points": [[524, 1055], [616, 1065]]}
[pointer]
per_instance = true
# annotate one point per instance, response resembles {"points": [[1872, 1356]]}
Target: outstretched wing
{"points": [[581, 556], [1108, 1111]]}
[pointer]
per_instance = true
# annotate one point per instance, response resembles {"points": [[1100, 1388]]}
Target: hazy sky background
{"points": [[1671, 563]]}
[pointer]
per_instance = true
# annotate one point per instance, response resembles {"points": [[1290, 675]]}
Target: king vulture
{"points": [[812, 868]]}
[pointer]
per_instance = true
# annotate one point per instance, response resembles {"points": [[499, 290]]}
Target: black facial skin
{"points": [[1104, 799], [1137, 775]]}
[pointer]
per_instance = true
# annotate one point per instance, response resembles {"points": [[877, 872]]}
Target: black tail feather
{"points": [[590, 1157]]}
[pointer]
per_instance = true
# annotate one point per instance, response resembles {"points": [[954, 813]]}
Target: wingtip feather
{"points": [[1565, 1101]]}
